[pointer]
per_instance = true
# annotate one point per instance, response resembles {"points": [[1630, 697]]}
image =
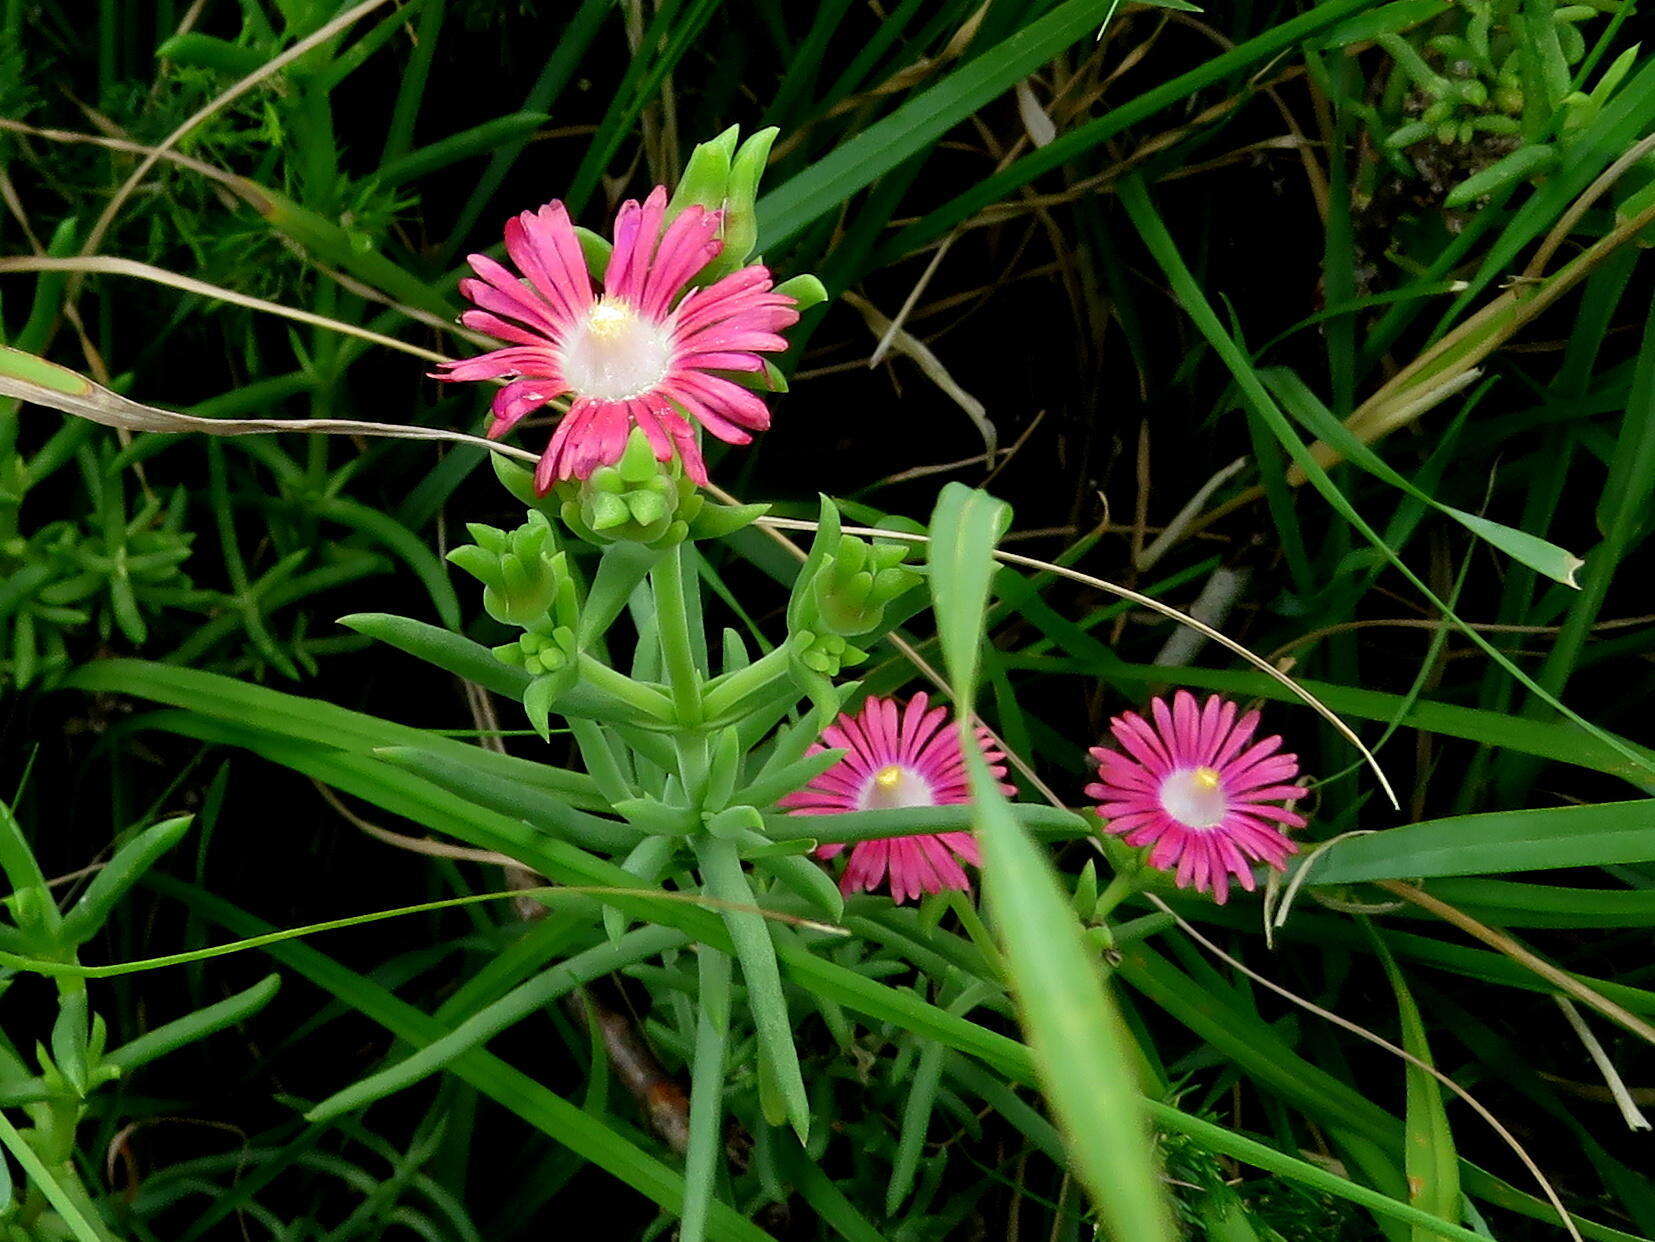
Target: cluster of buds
{"points": [[637, 500], [527, 585], [843, 592], [857, 582]]}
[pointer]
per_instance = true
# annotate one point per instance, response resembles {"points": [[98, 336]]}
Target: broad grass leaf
{"points": [[1082, 1049], [1496, 842]]}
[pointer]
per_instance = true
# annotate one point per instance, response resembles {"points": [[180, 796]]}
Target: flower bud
{"points": [[719, 177], [706, 178], [637, 500], [525, 579], [551, 657], [855, 584], [826, 654]]}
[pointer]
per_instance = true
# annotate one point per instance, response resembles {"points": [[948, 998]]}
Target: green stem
{"points": [[963, 908], [672, 620], [693, 762], [1119, 889], [726, 693], [644, 699]]}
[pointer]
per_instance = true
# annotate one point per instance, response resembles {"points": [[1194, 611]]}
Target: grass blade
{"points": [[920, 122], [749, 933], [1496, 842], [1082, 1048]]}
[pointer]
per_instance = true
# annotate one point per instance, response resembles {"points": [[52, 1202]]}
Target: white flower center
{"points": [[895, 787], [1195, 797], [616, 353]]}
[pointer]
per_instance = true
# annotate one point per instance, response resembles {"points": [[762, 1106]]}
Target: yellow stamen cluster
{"points": [[608, 319]]}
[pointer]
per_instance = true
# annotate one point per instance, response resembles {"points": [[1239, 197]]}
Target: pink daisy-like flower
{"points": [[636, 354], [898, 756], [1197, 788]]}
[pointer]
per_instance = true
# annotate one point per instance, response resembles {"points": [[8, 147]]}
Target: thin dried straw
{"points": [[108, 265]]}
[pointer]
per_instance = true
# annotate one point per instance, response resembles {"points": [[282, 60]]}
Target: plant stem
{"points": [[672, 620], [727, 693], [644, 699], [1119, 889]]}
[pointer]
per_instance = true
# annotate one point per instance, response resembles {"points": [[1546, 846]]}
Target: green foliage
{"points": [[1386, 255]]}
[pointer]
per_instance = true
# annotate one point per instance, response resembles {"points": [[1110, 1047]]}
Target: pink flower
{"points": [[1191, 786], [638, 354], [899, 756]]}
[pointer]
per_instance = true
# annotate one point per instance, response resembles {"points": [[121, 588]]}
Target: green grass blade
{"points": [[1428, 1153], [750, 934], [1082, 1048], [706, 1135], [916, 1121], [187, 1030], [1538, 554], [920, 122], [1496, 842]]}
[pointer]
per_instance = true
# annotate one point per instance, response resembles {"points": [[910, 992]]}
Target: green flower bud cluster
{"points": [[539, 655], [826, 654], [522, 572], [857, 581], [637, 500], [527, 584], [841, 593], [1456, 94], [1496, 69]]}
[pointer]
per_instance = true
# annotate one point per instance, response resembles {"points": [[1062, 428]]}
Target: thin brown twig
{"points": [[414, 845], [1421, 623]]}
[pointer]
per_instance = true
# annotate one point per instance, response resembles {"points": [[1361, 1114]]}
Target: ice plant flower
{"points": [[1196, 788], [897, 756], [639, 353]]}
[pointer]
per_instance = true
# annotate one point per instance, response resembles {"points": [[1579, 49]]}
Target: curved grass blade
{"points": [[1538, 554], [1428, 1153]]}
